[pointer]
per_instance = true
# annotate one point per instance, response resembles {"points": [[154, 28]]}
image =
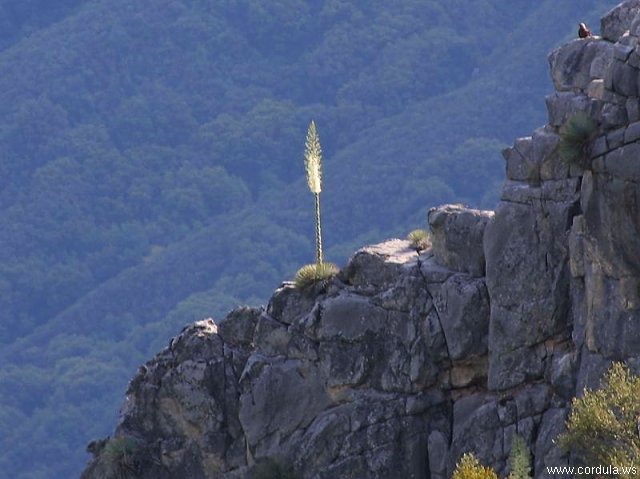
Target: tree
{"points": [[519, 460], [603, 425]]}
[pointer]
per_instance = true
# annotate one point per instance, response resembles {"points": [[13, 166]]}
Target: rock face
{"points": [[457, 237], [405, 361]]}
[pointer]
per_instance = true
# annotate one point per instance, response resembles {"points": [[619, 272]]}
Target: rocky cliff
{"points": [[406, 360]]}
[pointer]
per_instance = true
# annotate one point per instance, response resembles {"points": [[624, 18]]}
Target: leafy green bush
{"points": [[519, 459], [576, 135], [603, 425], [470, 468], [311, 274], [273, 469], [420, 239], [120, 457]]}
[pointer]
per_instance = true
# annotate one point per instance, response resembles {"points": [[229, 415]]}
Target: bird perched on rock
{"points": [[583, 31]]}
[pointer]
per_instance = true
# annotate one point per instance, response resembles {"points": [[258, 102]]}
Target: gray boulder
{"points": [[369, 437], [563, 105], [546, 452], [477, 428], [624, 79], [457, 234], [380, 264], [266, 423], [610, 241], [182, 410], [239, 326], [576, 63], [289, 304], [462, 303], [529, 292], [619, 20], [521, 165]]}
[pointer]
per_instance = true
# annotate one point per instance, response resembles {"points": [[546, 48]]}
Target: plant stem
{"points": [[318, 231]]}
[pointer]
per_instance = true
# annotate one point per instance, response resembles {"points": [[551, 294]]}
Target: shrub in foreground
{"points": [[470, 468], [603, 427]]}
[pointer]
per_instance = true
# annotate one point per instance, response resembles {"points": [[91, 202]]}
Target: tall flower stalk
{"points": [[313, 165], [320, 272]]}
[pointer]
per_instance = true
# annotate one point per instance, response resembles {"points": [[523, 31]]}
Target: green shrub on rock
{"points": [[119, 455], [470, 468], [420, 239], [311, 274], [576, 135], [519, 459], [603, 427]]}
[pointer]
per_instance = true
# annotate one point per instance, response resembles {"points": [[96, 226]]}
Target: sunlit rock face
{"points": [[408, 359]]}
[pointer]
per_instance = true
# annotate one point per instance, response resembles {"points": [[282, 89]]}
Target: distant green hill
{"points": [[151, 167]]}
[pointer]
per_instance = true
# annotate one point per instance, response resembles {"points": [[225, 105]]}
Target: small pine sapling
{"points": [[519, 459]]}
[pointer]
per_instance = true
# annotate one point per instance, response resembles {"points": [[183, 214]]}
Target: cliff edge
{"points": [[405, 361]]}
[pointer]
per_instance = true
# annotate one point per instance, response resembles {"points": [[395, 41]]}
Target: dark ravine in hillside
{"points": [[404, 362]]}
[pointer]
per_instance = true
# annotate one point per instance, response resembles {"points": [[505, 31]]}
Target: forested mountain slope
{"points": [[151, 170]]}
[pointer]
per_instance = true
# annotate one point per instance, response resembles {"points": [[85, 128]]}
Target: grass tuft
{"points": [[575, 137], [311, 274], [120, 456], [420, 239]]}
